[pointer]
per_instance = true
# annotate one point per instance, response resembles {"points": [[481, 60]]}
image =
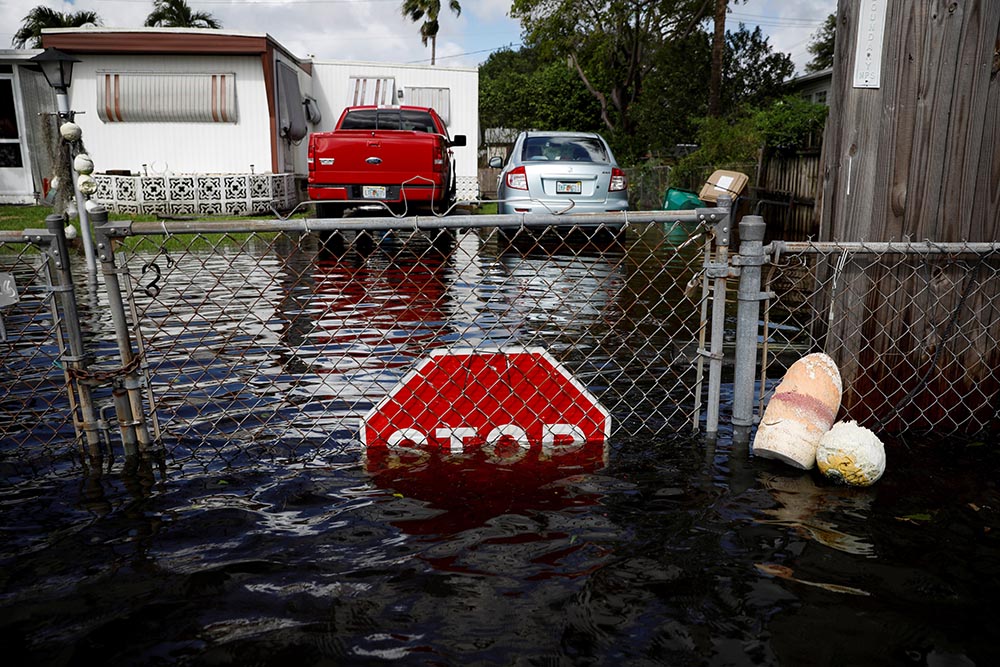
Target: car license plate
{"points": [[373, 191], [568, 187]]}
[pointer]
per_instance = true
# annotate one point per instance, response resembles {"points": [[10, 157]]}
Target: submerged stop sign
{"points": [[508, 404]]}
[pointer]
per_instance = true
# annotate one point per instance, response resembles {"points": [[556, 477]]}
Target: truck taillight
{"points": [[442, 159], [311, 157], [517, 179], [618, 180]]}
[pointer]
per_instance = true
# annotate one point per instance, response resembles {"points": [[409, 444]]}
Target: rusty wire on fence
{"points": [[914, 328]]}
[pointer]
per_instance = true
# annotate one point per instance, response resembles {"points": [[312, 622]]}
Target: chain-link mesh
{"points": [[36, 410], [277, 337], [914, 328]]}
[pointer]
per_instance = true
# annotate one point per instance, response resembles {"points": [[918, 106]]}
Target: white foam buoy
{"points": [[83, 164], [87, 184], [851, 454], [70, 131], [803, 408]]}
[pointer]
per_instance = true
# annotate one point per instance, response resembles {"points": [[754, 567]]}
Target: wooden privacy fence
{"points": [[787, 192]]}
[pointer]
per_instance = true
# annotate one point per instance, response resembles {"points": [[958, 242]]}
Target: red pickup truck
{"points": [[399, 155]]}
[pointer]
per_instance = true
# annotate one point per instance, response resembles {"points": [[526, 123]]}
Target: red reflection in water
{"points": [[472, 489]]}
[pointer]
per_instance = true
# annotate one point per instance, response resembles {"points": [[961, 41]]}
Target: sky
{"points": [[375, 30]]}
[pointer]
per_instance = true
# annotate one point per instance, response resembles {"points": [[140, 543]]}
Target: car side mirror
{"points": [[458, 140], [496, 162]]}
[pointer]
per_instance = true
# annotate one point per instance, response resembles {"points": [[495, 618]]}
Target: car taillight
{"points": [[311, 157], [618, 180], [517, 179]]}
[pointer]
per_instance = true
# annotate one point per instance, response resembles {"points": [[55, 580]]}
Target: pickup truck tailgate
{"points": [[362, 157]]}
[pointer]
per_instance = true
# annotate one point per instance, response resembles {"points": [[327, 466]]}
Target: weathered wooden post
{"points": [[912, 151]]}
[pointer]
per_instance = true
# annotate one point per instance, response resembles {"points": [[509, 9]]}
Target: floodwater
{"points": [[681, 550]]}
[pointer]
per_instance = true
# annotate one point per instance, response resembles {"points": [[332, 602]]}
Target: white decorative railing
{"points": [[196, 194]]}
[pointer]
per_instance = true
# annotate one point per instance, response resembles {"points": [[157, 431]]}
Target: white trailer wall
{"points": [[176, 147], [331, 83]]}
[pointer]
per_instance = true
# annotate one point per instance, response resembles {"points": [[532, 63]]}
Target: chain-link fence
{"points": [[914, 328], [44, 403], [232, 340], [271, 334]]}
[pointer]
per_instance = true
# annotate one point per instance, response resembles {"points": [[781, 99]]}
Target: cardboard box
{"points": [[723, 182]]}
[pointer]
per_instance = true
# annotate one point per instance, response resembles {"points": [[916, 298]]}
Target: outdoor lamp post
{"points": [[57, 67]]}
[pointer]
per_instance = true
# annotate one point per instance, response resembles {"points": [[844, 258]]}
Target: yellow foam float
{"points": [[851, 454], [804, 406]]}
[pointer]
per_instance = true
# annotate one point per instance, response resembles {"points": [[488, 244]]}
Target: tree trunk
{"points": [[718, 50]]}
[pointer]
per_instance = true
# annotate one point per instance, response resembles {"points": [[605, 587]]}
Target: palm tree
{"points": [[428, 10], [40, 17], [177, 14]]}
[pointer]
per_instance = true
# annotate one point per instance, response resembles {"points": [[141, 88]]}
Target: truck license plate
{"points": [[568, 187], [373, 191]]}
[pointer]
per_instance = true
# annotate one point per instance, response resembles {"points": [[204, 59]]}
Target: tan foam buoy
{"points": [[804, 406], [851, 454]]}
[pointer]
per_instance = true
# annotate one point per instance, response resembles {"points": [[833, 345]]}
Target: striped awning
{"points": [[142, 97]]}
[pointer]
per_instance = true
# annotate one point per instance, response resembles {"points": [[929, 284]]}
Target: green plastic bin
{"points": [[681, 200]]}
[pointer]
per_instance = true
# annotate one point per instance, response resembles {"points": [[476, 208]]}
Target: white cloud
{"points": [[788, 25], [370, 30], [375, 30]]}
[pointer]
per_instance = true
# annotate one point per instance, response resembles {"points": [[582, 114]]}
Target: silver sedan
{"points": [[560, 172]]}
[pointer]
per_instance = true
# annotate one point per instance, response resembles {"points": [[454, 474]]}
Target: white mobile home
{"points": [[24, 160], [453, 93], [188, 121]]}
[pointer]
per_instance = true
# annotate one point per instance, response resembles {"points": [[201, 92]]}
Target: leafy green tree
{"points": [[30, 33], [753, 72], [821, 46], [608, 44], [428, 12], [675, 94], [178, 14], [518, 90], [783, 124], [530, 88], [789, 122]]}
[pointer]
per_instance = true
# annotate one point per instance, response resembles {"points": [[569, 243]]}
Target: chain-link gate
{"points": [[275, 333]]}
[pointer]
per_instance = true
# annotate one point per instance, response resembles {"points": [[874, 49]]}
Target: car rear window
{"points": [[575, 149], [391, 119]]}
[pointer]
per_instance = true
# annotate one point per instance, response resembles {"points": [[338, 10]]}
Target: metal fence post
{"points": [[76, 360], [718, 270], [128, 405], [750, 259]]}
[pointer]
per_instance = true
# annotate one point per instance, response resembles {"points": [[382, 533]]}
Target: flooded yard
{"points": [[261, 534]]}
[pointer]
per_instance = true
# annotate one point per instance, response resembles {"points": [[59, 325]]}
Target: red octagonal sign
{"points": [[505, 407]]}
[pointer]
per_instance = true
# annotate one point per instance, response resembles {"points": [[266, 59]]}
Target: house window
{"points": [[363, 90], [438, 99], [156, 97], [10, 139]]}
